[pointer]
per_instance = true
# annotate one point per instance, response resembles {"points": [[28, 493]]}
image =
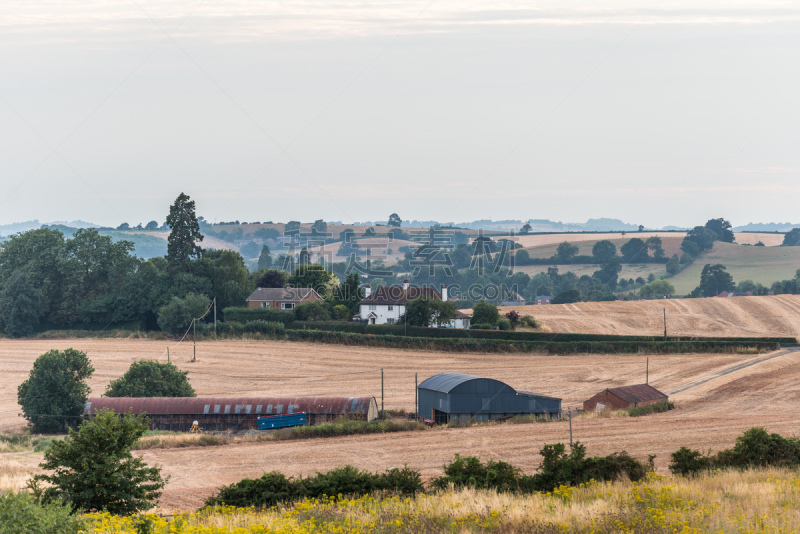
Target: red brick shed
{"points": [[624, 397]]}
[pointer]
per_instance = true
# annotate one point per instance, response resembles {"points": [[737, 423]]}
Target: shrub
{"points": [[53, 396], [659, 407], [147, 378], [485, 313], [244, 315], [688, 462], [504, 324], [313, 311], [481, 326], [19, 512], [471, 472], [529, 321], [93, 468], [177, 315], [273, 488]]}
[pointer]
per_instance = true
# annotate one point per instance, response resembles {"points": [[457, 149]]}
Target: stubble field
{"points": [[709, 415]]}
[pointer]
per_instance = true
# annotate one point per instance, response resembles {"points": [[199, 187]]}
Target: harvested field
{"points": [[709, 415], [671, 245], [737, 316]]}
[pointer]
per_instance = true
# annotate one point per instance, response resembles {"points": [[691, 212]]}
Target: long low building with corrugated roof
{"points": [[232, 413], [624, 397]]}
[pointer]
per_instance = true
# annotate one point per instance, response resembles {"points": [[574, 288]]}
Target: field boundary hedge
{"points": [[494, 345], [505, 335]]}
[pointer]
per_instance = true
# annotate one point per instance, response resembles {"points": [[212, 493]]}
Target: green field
{"points": [[759, 264]]}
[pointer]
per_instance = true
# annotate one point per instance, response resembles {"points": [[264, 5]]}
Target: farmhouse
{"points": [[541, 300], [450, 397], [624, 397], [388, 303], [281, 298], [237, 413]]}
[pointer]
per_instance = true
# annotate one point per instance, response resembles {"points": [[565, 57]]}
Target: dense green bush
{"points": [[755, 448], [331, 326], [235, 328], [244, 315], [481, 326], [176, 316], [559, 468], [659, 407], [471, 472], [273, 488], [21, 513], [147, 378]]}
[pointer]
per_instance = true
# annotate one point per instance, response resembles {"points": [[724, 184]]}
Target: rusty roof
{"points": [[230, 405], [637, 393]]}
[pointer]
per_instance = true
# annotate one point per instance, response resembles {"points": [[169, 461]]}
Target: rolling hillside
{"points": [[736, 316]]}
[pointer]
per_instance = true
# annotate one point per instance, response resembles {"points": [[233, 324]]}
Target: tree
{"points": [[418, 312], [641, 228], [184, 235], [265, 258], [19, 305], [24, 513], [608, 273], [152, 225], [526, 229], [350, 293], [272, 278], [313, 311], [654, 244], [53, 396], [395, 220], [673, 265], [94, 470], [314, 276], [567, 297], [722, 230], [176, 316], [319, 227], [370, 232], [702, 237], [634, 251], [304, 258], [148, 378], [124, 226], [292, 226], [604, 250], [714, 279], [442, 312], [791, 238], [657, 288], [565, 252], [229, 277], [485, 313]]}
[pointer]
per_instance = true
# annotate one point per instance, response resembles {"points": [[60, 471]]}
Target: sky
{"points": [[653, 112]]}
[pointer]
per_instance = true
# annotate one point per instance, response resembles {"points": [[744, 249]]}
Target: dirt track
{"points": [[736, 316], [710, 415]]}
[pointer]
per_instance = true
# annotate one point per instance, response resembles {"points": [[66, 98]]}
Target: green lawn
{"points": [[759, 264]]}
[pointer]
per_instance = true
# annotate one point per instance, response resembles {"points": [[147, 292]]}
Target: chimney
{"points": [[444, 292], [367, 291], [405, 284]]}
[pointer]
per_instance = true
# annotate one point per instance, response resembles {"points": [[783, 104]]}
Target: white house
{"points": [[387, 304]]}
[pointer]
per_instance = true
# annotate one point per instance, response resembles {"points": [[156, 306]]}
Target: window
{"points": [[372, 307], [391, 308], [287, 305], [390, 320], [265, 304]]}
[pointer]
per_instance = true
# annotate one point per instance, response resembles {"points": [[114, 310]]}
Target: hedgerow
{"points": [[244, 315]]}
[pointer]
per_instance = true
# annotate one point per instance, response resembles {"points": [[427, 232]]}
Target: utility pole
{"points": [[382, 392], [416, 399], [167, 354], [647, 373], [570, 429], [215, 317], [194, 340], [665, 324]]}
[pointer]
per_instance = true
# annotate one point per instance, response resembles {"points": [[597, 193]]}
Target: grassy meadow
{"points": [[754, 501]]}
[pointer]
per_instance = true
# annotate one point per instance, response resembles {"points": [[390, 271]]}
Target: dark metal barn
{"points": [[450, 397], [212, 413]]}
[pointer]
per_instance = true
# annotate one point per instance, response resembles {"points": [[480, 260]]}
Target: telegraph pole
{"points": [[215, 317], [416, 398], [194, 340], [382, 414], [167, 354], [647, 372], [570, 429], [665, 324]]}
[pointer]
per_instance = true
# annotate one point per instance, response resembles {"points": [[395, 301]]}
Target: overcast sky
{"points": [[656, 113]]}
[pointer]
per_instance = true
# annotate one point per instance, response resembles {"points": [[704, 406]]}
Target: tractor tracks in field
{"points": [[731, 369]]}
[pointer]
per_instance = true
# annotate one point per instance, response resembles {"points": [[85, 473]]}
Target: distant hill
{"points": [[766, 227]]}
